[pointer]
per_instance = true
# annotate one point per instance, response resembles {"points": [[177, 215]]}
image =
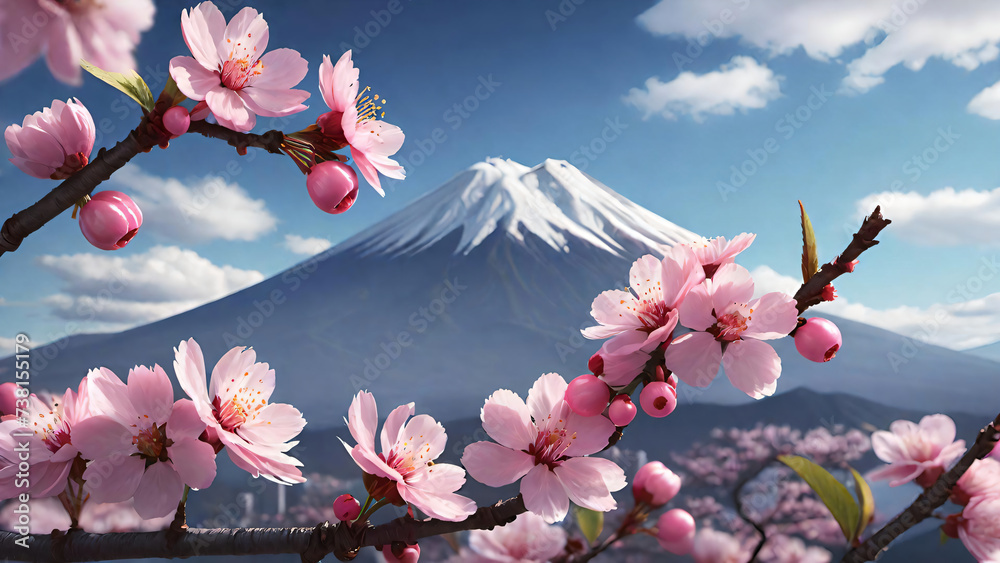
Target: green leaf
{"points": [[866, 500], [591, 522], [810, 257], [832, 492], [171, 90], [130, 83]]}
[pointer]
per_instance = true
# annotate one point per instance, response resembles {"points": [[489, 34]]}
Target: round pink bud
{"points": [[8, 396], [346, 508], [399, 552], [818, 340], [176, 120], [333, 186], [622, 410], [596, 364], [110, 219], [658, 399], [675, 531], [587, 395], [655, 484]]}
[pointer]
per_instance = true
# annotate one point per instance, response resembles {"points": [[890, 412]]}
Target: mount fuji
{"points": [[483, 284]]}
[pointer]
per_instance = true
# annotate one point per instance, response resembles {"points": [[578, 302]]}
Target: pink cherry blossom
{"points": [[528, 539], [144, 446], [982, 478], [405, 467], [53, 143], [716, 252], [52, 421], [712, 546], [780, 548], [543, 441], [104, 33], [726, 319], [230, 71], [353, 117], [643, 318], [979, 528], [911, 450], [236, 410]]}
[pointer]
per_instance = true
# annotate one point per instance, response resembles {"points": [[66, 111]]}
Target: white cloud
{"points": [[964, 33], [986, 103], [207, 209], [959, 325], [945, 217], [140, 288], [740, 85], [6, 346], [307, 246]]}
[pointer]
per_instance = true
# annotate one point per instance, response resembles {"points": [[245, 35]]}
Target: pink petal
{"points": [[49, 479], [392, 430], [494, 465], [101, 436], [229, 109], [938, 429], [505, 418], [731, 284], [583, 481], [15, 60], [202, 30], [624, 357], [889, 447], [696, 309], [194, 462], [753, 367], [256, 465], [367, 169], [159, 491], [189, 368], [681, 272], [40, 146], [114, 479], [282, 69], [591, 434], [548, 391], [376, 139], [64, 50], [151, 394], [273, 424], [615, 310], [646, 277], [434, 493], [372, 464], [362, 419], [694, 357], [339, 83], [185, 422], [32, 168], [424, 436], [74, 127], [246, 33], [897, 473], [273, 102], [193, 80], [774, 316], [544, 494]]}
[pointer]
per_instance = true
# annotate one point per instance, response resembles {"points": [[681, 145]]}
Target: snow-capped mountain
{"points": [[483, 284]]}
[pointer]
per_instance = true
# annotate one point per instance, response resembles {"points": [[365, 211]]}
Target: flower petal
{"points": [[151, 394], [189, 368], [494, 465], [548, 391], [774, 316], [194, 462], [202, 29], [362, 419], [624, 357], [273, 424], [64, 50], [114, 479], [753, 367], [505, 418], [682, 271], [159, 491], [615, 310], [273, 102], [583, 480], [193, 80], [731, 284], [229, 109], [392, 429], [589, 434], [423, 436], [101, 436], [544, 494], [185, 422], [434, 493], [694, 357], [245, 37], [282, 69], [339, 83], [696, 309]]}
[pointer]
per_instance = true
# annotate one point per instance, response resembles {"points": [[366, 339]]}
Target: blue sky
{"points": [[854, 99]]}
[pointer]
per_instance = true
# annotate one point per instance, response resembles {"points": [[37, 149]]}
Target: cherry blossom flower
{"points": [[103, 32], [353, 119], [913, 451], [404, 471], [643, 318], [53, 143], [712, 546], [528, 539], [716, 252], [787, 549], [230, 70], [543, 441], [982, 478], [979, 528], [726, 320], [235, 408], [143, 445], [51, 451]]}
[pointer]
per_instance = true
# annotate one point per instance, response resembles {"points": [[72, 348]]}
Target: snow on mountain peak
{"points": [[554, 201]]}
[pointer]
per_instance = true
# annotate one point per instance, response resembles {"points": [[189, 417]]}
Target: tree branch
{"points": [[929, 500], [269, 141], [313, 544], [811, 292], [741, 508]]}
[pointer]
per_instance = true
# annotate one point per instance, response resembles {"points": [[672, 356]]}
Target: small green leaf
{"points": [[832, 492], [944, 537], [171, 90], [130, 83], [866, 500], [591, 522], [810, 257]]}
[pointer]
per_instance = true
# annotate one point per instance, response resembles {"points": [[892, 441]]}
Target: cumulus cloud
{"points": [[946, 217], [986, 103], [307, 246], [6, 346], [125, 291], [199, 211], [742, 84], [959, 325], [894, 32]]}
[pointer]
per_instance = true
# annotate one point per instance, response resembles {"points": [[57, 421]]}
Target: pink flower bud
{"points": [[818, 340], [675, 531], [346, 508], [622, 410], [658, 399], [176, 120], [655, 485], [110, 219], [53, 143], [8, 396], [587, 395], [399, 552], [333, 186], [596, 364], [829, 293]]}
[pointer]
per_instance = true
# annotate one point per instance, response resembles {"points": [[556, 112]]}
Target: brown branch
{"points": [[927, 502], [810, 293], [269, 141], [313, 544]]}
